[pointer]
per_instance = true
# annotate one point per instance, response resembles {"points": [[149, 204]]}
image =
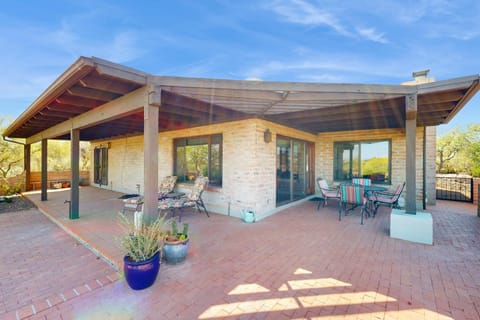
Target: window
{"points": [[366, 159], [100, 165], [199, 156]]}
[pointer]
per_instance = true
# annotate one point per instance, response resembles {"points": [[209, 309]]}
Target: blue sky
{"points": [[285, 40]]}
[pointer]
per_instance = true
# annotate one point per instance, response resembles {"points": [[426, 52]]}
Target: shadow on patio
{"points": [[299, 263]]}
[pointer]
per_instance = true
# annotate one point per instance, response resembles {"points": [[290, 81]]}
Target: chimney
{"points": [[419, 77]]}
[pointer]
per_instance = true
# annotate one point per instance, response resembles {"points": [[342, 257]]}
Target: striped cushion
{"points": [[352, 194], [362, 181]]}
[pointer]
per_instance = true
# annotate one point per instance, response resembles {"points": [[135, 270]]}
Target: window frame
{"points": [[212, 139], [359, 143]]}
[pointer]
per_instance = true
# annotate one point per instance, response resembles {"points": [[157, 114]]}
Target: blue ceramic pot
{"points": [[176, 252], [141, 275]]}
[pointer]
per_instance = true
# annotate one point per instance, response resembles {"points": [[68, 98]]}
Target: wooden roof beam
{"points": [[107, 84], [94, 94], [78, 102], [440, 97]]}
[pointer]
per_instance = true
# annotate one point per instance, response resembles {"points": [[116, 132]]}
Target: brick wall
{"points": [[476, 183], [249, 175], [324, 154], [430, 169]]}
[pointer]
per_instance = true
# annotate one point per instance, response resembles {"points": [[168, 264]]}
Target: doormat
{"points": [[316, 199], [128, 196]]}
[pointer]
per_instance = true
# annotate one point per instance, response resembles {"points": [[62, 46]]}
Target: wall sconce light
{"points": [[267, 136]]}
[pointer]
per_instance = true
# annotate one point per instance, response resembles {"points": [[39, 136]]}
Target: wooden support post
{"points": [[150, 154], [410, 165], [44, 168], [75, 172], [26, 166]]}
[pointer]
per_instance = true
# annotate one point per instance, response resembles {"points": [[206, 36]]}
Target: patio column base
{"points": [[411, 227]]}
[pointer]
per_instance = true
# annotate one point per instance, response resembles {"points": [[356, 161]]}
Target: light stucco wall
{"points": [[249, 163]]}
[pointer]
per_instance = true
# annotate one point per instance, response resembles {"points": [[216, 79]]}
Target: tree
{"points": [[11, 156], [459, 151], [58, 158]]}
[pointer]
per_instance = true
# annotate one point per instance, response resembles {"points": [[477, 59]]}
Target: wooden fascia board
{"points": [[76, 71], [80, 68], [107, 68], [114, 109], [444, 85], [280, 86], [475, 87]]}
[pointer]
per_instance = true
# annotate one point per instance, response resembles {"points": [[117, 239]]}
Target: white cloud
{"points": [[372, 34], [305, 13], [302, 12], [327, 68]]}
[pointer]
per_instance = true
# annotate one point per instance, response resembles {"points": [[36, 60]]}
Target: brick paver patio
{"points": [[298, 264], [42, 265]]}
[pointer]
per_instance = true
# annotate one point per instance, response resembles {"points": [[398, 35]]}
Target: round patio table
{"points": [[374, 189]]}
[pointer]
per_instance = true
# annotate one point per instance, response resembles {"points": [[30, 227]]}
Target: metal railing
{"points": [[454, 188]]}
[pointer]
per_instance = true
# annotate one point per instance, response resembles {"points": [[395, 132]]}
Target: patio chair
{"points": [[362, 181], [326, 192], [191, 200], [166, 186], [387, 199], [353, 195]]}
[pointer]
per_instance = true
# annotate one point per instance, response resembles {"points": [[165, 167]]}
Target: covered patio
{"points": [[100, 101], [301, 263]]}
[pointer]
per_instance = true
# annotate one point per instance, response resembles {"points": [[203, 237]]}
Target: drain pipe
{"points": [[7, 139], [69, 208]]}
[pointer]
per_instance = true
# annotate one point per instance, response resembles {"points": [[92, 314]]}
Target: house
{"points": [[261, 143]]}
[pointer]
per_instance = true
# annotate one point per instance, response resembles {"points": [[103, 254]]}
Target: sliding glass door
{"points": [[294, 171]]}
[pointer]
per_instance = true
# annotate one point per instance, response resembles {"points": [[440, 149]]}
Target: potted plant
{"points": [[143, 245], [176, 244]]}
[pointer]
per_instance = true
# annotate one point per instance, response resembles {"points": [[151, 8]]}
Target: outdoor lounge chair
{"points": [[353, 195], [326, 192], [166, 186], [192, 200], [386, 198]]}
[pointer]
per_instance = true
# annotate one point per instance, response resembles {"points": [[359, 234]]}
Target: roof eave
{"points": [[80, 68]]}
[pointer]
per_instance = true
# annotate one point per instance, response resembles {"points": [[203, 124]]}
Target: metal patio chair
{"points": [[326, 192], [386, 198], [352, 195]]}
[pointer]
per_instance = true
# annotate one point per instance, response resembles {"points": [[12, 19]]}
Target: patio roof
{"points": [[91, 83]]}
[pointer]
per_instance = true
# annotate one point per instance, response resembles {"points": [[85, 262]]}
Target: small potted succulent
{"points": [[176, 244], [143, 245]]}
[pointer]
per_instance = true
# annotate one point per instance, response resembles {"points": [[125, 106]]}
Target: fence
{"points": [[455, 188], [55, 179]]}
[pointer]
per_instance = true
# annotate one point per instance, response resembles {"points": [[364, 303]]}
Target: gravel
{"points": [[18, 203]]}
